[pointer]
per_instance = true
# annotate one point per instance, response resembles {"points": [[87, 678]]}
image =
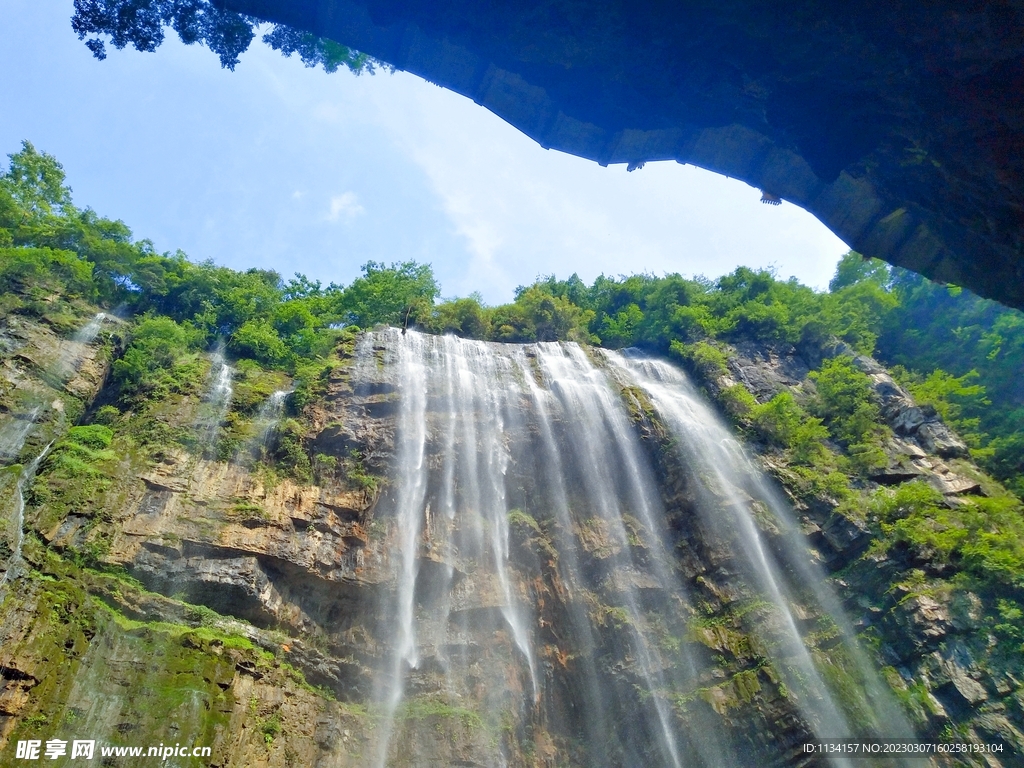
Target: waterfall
{"points": [[88, 332], [728, 471], [217, 400], [72, 352], [24, 477], [267, 419], [537, 575], [15, 432]]}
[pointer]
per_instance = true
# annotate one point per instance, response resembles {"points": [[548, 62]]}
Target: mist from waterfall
{"points": [[539, 437], [15, 432]]}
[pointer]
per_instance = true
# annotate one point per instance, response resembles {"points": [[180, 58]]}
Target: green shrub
{"points": [[36, 271], [846, 402], [95, 436], [785, 423], [986, 535], [259, 340], [708, 359], [737, 402], [153, 361]]}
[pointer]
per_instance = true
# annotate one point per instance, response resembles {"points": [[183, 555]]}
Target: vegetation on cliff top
{"points": [[958, 353]]}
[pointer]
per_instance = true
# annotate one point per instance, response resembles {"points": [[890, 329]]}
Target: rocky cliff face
{"points": [[354, 609], [925, 622]]}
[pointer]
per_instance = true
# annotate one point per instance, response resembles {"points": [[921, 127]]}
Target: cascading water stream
{"points": [[721, 457], [218, 398], [15, 432], [72, 352], [715, 454], [267, 420], [541, 434], [596, 723], [410, 483], [26, 476], [725, 466], [601, 433], [87, 333]]}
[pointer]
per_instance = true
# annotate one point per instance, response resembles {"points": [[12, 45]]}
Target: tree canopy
{"points": [[960, 354], [141, 24]]}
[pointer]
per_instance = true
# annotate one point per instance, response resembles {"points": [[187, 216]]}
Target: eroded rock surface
{"points": [[265, 595]]}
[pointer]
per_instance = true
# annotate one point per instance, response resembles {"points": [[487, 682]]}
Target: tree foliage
{"points": [[141, 24], [389, 295]]}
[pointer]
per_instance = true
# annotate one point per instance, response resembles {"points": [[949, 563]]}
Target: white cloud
{"points": [[522, 212], [346, 206]]}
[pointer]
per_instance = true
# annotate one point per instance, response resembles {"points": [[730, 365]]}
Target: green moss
{"points": [[739, 689], [75, 476], [614, 616], [516, 517], [913, 697], [424, 708], [638, 404], [84, 648], [253, 385]]}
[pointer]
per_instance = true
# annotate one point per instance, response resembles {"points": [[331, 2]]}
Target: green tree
{"points": [[141, 23], [35, 180], [462, 317], [389, 295], [259, 340], [149, 363], [846, 403], [854, 269]]}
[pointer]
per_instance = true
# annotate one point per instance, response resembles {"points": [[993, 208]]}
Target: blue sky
{"points": [[283, 167]]}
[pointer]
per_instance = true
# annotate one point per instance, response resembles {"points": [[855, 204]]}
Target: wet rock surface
{"points": [[271, 592], [928, 629]]}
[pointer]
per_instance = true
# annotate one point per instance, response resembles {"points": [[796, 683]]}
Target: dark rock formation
{"points": [[900, 127]]}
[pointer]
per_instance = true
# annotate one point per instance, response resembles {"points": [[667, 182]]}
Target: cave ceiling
{"points": [[900, 125]]}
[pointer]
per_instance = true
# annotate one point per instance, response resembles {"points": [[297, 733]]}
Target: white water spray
{"points": [[267, 420], [15, 432], [218, 397], [541, 434], [87, 333]]}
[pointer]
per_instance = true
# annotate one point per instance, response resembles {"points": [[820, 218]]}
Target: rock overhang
{"points": [[901, 128]]}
